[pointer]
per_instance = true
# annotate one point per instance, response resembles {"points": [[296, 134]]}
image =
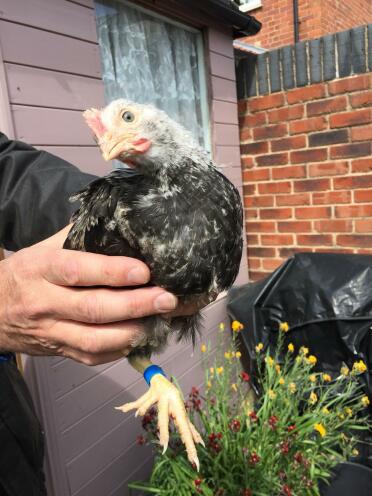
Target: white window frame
{"points": [[248, 5], [204, 101]]}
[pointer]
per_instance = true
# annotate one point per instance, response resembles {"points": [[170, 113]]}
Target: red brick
{"points": [[286, 113], [363, 133], [362, 165], [363, 226], [353, 211], [277, 239], [260, 227], [361, 99], [256, 175], [289, 252], [261, 252], [357, 240], [311, 185], [295, 226], [362, 195], [348, 85], [247, 162], [251, 213], [254, 148], [328, 169], [249, 189], [332, 226], [259, 201], [266, 102], [252, 240], [331, 197], [296, 199], [326, 106], [276, 213], [351, 150], [274, 188], [254, 263], [363, 116], [314, 239], [272, 159], [329, 137], [313, 155], [242, 106], [256, 275], [313, 212], [364, 251], [307, 125], [291, 143], [271, 263], [289, 172], [352, 182], [303, 94], [267, 132], [253, 120], [245, 134]]}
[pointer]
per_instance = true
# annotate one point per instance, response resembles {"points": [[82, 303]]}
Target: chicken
{"points": [[175, 211]]}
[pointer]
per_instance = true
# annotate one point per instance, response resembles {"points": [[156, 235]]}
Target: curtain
{"points": [[149, 60]]}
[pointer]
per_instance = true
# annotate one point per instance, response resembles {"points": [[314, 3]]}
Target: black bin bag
{"points": [[326, 298]]}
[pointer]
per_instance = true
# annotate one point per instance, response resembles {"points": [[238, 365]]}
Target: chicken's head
{"points": [[132, 132]]}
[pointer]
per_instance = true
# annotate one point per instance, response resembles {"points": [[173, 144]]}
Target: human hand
{"points": [[69, 303]]}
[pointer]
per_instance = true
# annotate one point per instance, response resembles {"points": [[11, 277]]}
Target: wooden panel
{"points": [[87, 158], [222, 66], [223, 89], [225, 112], [30, 46], [228, 156], [226, 134], [47, 14], [44, 88], [220, 42], [54, 127]]}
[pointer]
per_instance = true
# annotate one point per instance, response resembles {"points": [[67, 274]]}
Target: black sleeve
{"points": [[34, 191]]}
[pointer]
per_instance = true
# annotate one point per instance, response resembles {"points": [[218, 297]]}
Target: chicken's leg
{"points": [[170, 403]]}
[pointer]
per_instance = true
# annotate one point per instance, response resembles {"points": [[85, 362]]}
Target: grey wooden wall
{"points": [[51, 70]]}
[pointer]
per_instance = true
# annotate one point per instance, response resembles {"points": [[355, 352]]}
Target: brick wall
{"points": [[317, 18], [307, 169]]}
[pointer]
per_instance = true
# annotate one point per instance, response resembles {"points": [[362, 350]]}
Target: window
{"points": [[148, 58], [247, 5]]}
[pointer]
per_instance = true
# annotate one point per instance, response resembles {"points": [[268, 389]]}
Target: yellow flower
{"points": [[327, 378], [290, 348], [313, 398], [355, 452], [238, 354], [321, 429], [304, 350], [325, 410], [345, 371], [219, 370], [203, 348], [259, 347], [269, 361], [359, 367], [236, 326], [272, 394], [227, 355], [277, 368], [234, 387], [222, 326], [211, 370], [348, 411], [284, 327], [312, 360], [292, 387], [281, 381], [312, 378], [209, 384], [341, 416], [365, 401]]}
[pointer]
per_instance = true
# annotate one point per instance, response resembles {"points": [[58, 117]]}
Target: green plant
{"points": [[282, 443]]}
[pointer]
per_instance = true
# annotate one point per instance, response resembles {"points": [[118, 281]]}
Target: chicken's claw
{"points": [[170, 403]]}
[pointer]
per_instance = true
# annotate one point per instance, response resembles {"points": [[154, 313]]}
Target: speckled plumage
{"points": [[177, 213]]}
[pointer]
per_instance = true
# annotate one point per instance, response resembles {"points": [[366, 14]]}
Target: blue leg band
{"points": [[151, 371]]}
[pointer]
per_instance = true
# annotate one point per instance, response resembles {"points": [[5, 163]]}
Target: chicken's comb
{"points": [[93, 119]]}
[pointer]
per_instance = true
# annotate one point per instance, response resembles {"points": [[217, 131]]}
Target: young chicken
{"points": [[175, 211]]}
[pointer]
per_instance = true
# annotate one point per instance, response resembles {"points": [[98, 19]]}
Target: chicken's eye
{"points": [[128, 116]]}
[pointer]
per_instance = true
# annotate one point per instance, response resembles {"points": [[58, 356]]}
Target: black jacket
{"points": [[34, 191]]}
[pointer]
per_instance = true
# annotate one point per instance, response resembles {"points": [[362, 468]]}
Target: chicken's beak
{"points": [[111, 151]]}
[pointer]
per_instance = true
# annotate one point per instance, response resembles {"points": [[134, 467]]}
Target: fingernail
{"points": [[165, 302], [138, 275]]}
